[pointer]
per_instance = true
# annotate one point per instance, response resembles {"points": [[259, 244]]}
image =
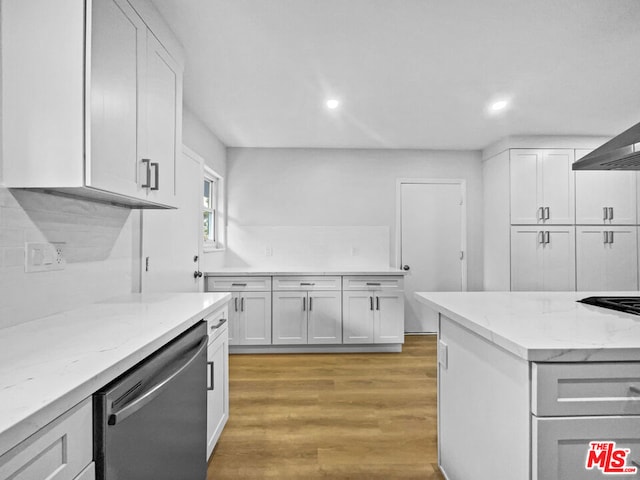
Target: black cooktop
{"points": [[623, 304]]}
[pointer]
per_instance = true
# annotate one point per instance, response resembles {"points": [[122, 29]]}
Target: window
{"points": [[211, 201]]}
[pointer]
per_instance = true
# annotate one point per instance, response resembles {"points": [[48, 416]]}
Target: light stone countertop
{"points": [[49, 365], [544, 326], [296, 271]]}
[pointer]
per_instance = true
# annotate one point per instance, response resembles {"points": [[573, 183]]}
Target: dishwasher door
{"points": [[150, 423]]}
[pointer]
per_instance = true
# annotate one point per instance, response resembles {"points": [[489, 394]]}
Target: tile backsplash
{"points": [[307, 246], [99, 244]]}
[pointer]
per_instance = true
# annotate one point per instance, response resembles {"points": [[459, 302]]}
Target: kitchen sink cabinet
{"points": [[605, 198], [106, 123], [307, 317], [606, 258], [62, 450], [218, 381], [542, 186], [307, 310], [542, 258]]}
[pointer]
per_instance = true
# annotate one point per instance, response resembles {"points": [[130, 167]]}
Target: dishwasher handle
{"points": [[157, 388]]}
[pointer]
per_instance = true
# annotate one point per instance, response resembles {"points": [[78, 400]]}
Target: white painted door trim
{"points": [[463, 218]]}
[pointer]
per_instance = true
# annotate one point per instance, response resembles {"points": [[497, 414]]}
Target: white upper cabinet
{"points": [[91, 101], [543, 258], [605, 197], [606, 258], [542, 186]]}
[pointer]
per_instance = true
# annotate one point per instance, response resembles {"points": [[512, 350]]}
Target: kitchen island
{"points": [[527, 380], [50, 366]]}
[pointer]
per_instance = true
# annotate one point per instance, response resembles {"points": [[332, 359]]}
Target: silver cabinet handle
{"points": [[304, 303], [605, 234], [211, 376], [242, 304], [546, 213], [238, 284], [634, 389], [310, 303], [148, 182], [307, 284], [540, 238], [610, 213], [540, 213], [611, 237], [546, 237], [371, 303], [605, 213], [377, 303], [219, 324], [236, 302], [373, 284], [156, 177]]}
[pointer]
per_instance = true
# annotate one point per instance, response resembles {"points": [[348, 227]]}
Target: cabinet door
{"points": [[558, 259], [557, 184], [560, 445], [118, 46], [525, 187], [357, 317], [290, 317], [325, 317], [612, 190], [163, 94], [388, 324], [526, 258], [606, 258], [218, 395], [255, 318]]}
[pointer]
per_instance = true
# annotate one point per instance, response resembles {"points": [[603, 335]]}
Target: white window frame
{"points": [[220, 218]]}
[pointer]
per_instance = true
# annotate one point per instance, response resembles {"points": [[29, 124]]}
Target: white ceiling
{"points": [[409, 73]]}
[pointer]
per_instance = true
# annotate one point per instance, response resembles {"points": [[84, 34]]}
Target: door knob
{"points": [[197, 274], [406, 268]]}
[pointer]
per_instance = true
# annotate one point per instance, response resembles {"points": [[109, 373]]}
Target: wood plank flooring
{"points": [[331, 416]]}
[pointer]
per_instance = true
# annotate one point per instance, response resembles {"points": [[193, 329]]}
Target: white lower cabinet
{"points": [[218, 381], [606, 258], [62, 450], [250, 318], [543, 258], [373, 317], [312, 317]]}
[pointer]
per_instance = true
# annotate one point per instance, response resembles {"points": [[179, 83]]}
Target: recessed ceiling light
{"points": [[499, 105], [333, 103]]}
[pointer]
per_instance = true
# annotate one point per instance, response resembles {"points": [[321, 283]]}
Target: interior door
{"points": [[172, 239], [432, 245]]}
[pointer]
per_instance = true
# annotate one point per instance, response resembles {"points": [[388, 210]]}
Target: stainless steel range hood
{"points": [[619, 153]]}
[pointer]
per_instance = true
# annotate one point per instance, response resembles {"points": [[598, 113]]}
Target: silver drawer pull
{"points": [[307, 284], [238, 284], [373, 284], [634, 389], [220, 323]]}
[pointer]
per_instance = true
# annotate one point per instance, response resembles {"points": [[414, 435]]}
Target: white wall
{"points": [[300, 190]]}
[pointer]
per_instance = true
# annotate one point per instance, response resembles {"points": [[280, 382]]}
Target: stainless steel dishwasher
{"points": [[151, 422]]}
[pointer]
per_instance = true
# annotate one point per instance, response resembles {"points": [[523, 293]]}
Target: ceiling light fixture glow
{"points": [[333, 103], [499, 105]]}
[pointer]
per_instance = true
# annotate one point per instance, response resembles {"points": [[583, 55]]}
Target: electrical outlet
{"points": [[268, 251], [42, 257]]}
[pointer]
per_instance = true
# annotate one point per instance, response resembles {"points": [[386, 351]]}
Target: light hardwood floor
{"points": [[331, 416]]}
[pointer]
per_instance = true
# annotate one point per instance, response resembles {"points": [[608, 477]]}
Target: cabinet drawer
{"points": [[306, 283], [238, 284], [560, 446], [59, 451], [217, 322], [561, 389], [373, 283]]}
